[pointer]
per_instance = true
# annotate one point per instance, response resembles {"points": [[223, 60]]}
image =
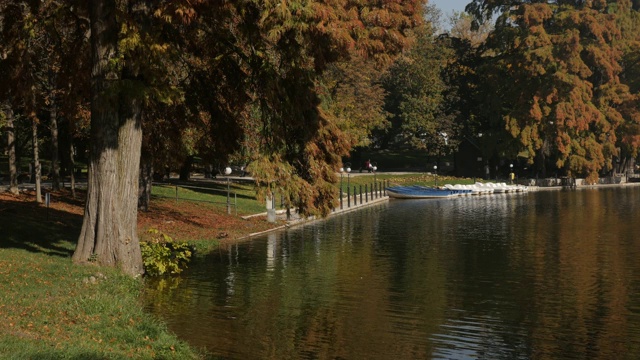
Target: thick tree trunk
{"points": [[36, 156], [55, 163], [11, 151], [109, 229]]}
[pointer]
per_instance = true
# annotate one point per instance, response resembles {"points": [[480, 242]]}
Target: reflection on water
{"points": [[545, 275]]}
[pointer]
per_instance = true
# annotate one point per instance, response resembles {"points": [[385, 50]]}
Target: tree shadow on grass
{"points": [[35, 228], [214, 188]]}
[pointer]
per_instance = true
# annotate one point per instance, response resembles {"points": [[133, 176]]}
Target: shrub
{"points": [[161, 255]]}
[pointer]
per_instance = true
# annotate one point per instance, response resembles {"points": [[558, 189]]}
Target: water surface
{"points": [[544, 275]]}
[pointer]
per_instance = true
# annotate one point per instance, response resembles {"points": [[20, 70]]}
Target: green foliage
{"points": [[161, 255], [417, 98]]}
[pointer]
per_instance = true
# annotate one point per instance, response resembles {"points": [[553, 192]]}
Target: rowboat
{"points": [[423, 192]]}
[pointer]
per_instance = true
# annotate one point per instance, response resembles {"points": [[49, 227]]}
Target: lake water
{"points": [[545, 275]]}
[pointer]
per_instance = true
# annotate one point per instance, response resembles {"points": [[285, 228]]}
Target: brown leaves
{"points": [[181, 11], [564, 67], [536, 14]]}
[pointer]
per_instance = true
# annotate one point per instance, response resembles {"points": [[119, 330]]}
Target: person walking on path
{"points": [[367, 165]]}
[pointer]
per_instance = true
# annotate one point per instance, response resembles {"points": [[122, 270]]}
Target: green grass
{"points": [[53, 309], [424, 179], [242, 195]]}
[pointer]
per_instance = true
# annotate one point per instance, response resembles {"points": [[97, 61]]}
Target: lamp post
{"points": [[227, 172], [341, 175], [435, 174], [375, 182], [348, 169]]}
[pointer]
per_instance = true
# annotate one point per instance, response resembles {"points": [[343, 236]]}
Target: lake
{"points": [[539, 275]]}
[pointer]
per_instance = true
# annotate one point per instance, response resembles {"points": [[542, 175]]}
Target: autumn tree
{"points": [[628, 19], [40, 46], [66, 79], [267, 68], [369, 31], [562, 93], [23, 43], [248, 72], [109, 229]]}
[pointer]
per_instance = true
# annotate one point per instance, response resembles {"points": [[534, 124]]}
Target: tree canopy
{"points": [[290, 88], [208, 78], [562, 95]]}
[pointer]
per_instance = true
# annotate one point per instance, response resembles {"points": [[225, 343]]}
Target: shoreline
{"points": [[299, 221]]}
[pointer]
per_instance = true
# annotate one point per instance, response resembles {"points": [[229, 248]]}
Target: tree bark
{"points": [[11, 151], [55, 163], [72, 167], [146, 183], [109, 230], [185, 169], [36, 156]]}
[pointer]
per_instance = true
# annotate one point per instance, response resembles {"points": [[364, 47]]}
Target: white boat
{"points": [[487, 188], [473, 189]]}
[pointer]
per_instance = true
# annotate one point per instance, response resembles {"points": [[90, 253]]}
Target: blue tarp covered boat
{"points": [[423, 192]]}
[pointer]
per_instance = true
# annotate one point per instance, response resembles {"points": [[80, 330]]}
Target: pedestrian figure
{"points": [[367, 165]]}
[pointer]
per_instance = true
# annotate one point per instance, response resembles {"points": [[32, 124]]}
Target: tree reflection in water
{"points": [[512, 276]]}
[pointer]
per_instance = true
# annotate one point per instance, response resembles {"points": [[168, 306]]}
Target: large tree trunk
{"points": [[55, 163], [11, 151], [109, 229]]}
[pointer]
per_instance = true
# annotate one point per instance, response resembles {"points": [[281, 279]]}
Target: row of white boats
{"points": [[488, 188]]}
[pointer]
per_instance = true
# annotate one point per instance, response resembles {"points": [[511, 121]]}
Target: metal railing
{"points": [[370, 192]]}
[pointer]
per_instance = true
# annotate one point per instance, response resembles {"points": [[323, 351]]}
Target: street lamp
{"points": [[375, 182], [227, 172], [435, 174], [348, 169], [341, 175]]}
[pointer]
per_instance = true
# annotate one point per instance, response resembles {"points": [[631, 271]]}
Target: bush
{"points": [[161, 255]]}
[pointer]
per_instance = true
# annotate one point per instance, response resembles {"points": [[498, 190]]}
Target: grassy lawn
{"points": [[52, 309], [242, 195]]}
